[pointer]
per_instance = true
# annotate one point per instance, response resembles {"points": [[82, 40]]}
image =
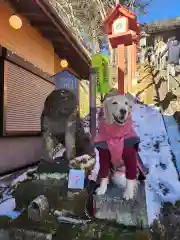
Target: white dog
{"points": [[117, 109]]}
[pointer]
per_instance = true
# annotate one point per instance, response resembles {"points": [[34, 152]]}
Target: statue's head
{"points": [[61, 102]]}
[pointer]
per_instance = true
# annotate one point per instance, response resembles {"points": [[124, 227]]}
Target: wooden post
{"points": [[92, 100], [120, 63], [130, 63], [134, 56]]}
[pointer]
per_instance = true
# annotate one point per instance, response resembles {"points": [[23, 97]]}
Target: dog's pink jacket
{"points": [[115, 135]]}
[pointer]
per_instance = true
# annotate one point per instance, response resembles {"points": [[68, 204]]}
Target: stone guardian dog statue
{"points": [[61, 125]]}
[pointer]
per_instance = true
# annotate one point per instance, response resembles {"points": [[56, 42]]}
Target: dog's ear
{"points": [[132, 99], [108, 117], [111, 93]]}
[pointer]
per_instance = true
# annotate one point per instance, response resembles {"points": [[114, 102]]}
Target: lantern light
{"points": [[15, 22], [64, 63]]}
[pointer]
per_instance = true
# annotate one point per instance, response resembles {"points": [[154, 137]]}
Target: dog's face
{"points": [[117, 109]]}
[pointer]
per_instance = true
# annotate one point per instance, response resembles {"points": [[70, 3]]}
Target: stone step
{"points": [[111, 206]]}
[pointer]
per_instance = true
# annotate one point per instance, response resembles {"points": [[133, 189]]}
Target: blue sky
{"points": [[161, 9]]}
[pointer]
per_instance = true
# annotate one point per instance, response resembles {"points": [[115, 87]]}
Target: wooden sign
{"points": [[76, 179]]}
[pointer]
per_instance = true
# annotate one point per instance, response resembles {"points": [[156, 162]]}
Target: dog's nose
{"points": [[123, 111]]}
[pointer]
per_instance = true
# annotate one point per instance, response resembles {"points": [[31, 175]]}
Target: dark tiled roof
{"points": [[161, 26]]}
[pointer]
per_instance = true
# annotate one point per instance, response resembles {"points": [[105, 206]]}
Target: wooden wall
{"points": [[57, 67], [27, 42]]}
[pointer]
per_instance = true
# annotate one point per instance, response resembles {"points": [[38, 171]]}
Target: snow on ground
{"points": [[7, 184], [162, 181]]}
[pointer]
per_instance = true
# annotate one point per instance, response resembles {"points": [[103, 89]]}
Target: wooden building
{"points": [[29, 57], [161, 30]]}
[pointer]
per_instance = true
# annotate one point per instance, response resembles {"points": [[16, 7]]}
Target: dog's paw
{"points": [[103, 187], [101, 190], [131, 189]]}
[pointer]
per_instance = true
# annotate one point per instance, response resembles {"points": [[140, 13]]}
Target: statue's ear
{"points": [[70, 136]]}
